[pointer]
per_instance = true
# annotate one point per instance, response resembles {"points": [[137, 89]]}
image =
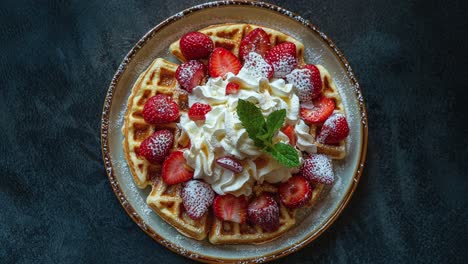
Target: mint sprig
{"points": [[261, 131]]}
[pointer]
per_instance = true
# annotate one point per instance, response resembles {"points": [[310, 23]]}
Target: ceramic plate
{"points": [[319, 50]]}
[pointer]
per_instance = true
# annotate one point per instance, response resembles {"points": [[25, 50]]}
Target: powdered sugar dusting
{"points": [[160, 143], [318, 168], [283, 65], [301, 79], [186, 72], [230, 163], [330, 127], [257, 66], [197, 197]]}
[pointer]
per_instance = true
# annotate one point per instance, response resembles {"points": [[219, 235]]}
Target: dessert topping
{"points": [[160, 109], [198, 111], [156, 147], [223, 61], [283, 59], [190, 74], [256, 41], [195, 45], [295, 192], [334, 129], [230, 163], [257, 66], [231, 208], [322, 108], [175, 170], [264, 211], [307, 82], [197, 197], [318, 168]]}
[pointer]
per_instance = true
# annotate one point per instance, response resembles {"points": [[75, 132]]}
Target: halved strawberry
{"points": [[175, 169], [322, 108], [289, 131], [295, 192], [264, 211], [307, 81], [318, 168], [198, 111], [283, 59], [223, 61], [195, 45], [256, 41], [232, 88], [160, 109], [334, 130], [197, 197], [257, 66], [230, 163], [190, 74], [156, 147], [231, 208]]}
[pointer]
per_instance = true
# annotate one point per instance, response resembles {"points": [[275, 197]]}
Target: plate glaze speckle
{"points": [[319, 49]]}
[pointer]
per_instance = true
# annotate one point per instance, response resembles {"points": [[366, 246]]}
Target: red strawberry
{"points": [[223, 61], [231, 208], [175, 170], [232, 88], [322, 108], [197, 197], [318, 168], [230, 163], [195, 45], [295, 192], [289, 131], [156, 147], [334, 130], [160, 109], [307, 81], [198, 111], [257, 66], [256, 41], [264, 211], [283, 59], [190, 74]]}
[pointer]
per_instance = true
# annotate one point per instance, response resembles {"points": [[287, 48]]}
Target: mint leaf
{"points": [[285, 154], [252, 120], [274, 122]]}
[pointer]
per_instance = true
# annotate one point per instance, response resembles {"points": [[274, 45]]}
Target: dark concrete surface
{"points": [[58, 57]]}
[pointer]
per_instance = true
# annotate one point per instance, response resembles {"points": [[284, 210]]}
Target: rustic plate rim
{"points": [[105, 133]]}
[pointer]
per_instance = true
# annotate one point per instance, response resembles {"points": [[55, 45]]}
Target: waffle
{"points": [[165, 200]]}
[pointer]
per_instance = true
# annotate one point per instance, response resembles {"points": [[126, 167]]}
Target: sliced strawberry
{"points": [[197, 197], [230, 163], [257, 66], [283, 59], [160, 109], [175, 169], [223, 61], [231, 208], [322, 108], [295, 192], [289, 131], [198, 111], [190, 74], [232, 88], [264, 211], [318, 168], [256, 41], [156, 147], [307, 81], [196, 45], [334, 130]]}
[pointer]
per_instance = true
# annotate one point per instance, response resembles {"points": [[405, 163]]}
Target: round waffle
{"points": [[165, 199]]}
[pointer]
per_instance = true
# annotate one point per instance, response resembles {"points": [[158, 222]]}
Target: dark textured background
{"points": [[58, 57]]}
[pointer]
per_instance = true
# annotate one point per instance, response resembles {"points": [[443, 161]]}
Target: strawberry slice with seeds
{"points": [[307, 81], [197, 197], [231, 208], [256, 41], [318, 168], [322, 108], [195, 45], [160, 109], [198, 111], [232, 88], [264, 211], [230, 163], [295, 192], [288, 130], [223, 61], [283, 59], [334, 130], [156, 147], [257, 66], [175, 169], [190, 74]]}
